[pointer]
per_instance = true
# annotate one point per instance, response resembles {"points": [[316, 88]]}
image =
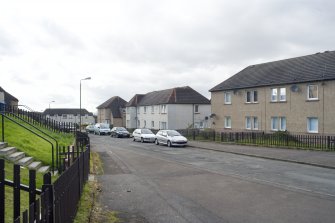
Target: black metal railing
{"points": [[38, 118], [280, 139], [56, 202]]}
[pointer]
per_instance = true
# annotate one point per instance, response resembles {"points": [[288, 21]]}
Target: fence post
{"points": [[2, 191], [3, 127], [32, 190], [47, 188], [16, 194]]}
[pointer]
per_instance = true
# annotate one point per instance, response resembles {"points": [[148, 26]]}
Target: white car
{"points": [[170, 138], [102, 129], [143, 135]]}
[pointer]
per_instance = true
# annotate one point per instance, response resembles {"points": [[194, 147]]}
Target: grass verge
{"points": [[89, 209]]}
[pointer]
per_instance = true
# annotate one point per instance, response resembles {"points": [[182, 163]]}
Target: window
{"points": [[145, 123], [274, 123], [227, 98], [227, 122], [251, 97], [70, 116], [196, 108], [248, 123], [145, 109], [152, 109], [138, 110], [64, 116], [163, 108], [152, 124], [163, 125], [251, 123], [278, 123], [274, 94], [282, 96], [312, 125], [255, 123], [312, 93]]}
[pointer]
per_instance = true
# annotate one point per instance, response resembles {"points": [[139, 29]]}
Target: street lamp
{"points": [[49, 108], [87, 78]]}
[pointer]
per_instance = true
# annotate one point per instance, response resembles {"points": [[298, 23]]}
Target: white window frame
{"points": [[279, 123], [227, 122], [282, 94], [163, 109], [308, 92], [145, 109], [274, 94], [196, 108], [309, 130], [248, 123], [227, 98], [252, 97], [255, 123]]}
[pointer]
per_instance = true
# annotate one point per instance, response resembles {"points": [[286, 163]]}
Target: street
{"points": [[149, 183]]}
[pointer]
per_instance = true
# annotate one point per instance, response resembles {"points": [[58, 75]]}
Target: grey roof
{"points": [[116, 104], [8, 97], [66, 111], [315, 67], [178, 95]]}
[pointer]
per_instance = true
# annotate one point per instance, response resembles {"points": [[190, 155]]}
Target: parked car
{"points": [[89, 128], [119, 132], [143, 135], [170, 138], [102, 129]]}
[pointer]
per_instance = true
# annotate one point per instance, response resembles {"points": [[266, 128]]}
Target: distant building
{"points": [[7, 99], [112, 111], [295, 95], [175, 108], [70, 115]]}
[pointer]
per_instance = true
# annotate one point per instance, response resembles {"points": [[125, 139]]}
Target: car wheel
{"points": [[169, 144], [142, 140], [156, 142], [134, 139]]}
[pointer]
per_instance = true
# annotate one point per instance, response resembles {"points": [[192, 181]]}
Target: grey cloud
{"points": [[60, 36], [7, 44]]}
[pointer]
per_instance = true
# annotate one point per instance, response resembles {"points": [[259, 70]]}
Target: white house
{"points": [[176, 108], [69, 115]]}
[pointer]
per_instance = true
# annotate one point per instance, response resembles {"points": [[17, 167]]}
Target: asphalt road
{"points": [[149, 183]]}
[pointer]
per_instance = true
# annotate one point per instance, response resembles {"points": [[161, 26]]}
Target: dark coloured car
{"points": [[119, 132]]}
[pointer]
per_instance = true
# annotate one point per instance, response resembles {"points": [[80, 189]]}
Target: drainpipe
{"points": [[193, 116]]}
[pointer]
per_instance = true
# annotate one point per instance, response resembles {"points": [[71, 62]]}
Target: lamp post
{"points": [[87, 78], [49, 108]]}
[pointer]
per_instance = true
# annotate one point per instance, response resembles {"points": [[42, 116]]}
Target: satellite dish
{"points": [[295, 88]]}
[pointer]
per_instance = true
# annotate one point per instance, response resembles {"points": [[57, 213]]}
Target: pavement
{"points": [[308, 157]]}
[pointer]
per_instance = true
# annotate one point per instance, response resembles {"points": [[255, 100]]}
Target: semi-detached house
{"points": [[176, 108], [295, 95]]}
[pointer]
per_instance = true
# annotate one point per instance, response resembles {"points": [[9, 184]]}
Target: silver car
{"points": [[102, 129], [143, 135], [170, 138]]}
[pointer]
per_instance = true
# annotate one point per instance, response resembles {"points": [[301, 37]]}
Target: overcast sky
{"points": [[137, 46]]}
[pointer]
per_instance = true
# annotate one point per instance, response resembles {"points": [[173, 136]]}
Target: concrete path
{"points": [[308, 157]]}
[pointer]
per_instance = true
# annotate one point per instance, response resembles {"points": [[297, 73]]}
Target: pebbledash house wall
{"points": [[176, 116], [296, 109], [104, 115]]}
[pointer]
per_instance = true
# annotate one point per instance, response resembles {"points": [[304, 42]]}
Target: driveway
{"points": [[149, 183]]}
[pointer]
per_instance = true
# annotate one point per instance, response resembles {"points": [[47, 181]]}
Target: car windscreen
{"points": [[121, 129], [173, 133], [146, 131], [105, 126]]}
